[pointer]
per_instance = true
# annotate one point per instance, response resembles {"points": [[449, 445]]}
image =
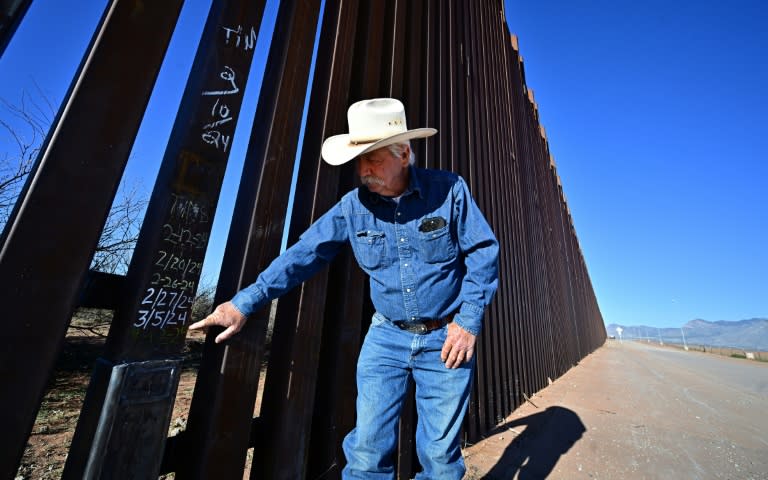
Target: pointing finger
{"points": [[201, 324]]}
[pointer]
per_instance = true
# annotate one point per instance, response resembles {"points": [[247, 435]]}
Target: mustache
{"points": [[371, 180]]}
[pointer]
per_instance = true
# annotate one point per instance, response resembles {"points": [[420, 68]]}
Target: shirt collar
{"points": [[414, 185]]}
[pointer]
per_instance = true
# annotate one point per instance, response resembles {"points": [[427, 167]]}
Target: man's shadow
{"points": [[534, 452]]}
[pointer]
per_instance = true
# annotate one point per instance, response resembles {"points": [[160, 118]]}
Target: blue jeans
{"points": [[389, 357]]}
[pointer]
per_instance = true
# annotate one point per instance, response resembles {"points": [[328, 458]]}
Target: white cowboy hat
{"points": [[373, 124]]}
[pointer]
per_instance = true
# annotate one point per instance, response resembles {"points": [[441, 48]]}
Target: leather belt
{"points": [[423, 325]]}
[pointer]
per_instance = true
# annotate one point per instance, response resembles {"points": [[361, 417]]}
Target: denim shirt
{"points": [[429, 255]]}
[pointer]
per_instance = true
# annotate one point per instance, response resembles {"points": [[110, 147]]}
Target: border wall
{"points": [[455, 66]]}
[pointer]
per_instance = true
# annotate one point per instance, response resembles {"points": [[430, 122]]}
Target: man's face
{"points": [[383, 173]]}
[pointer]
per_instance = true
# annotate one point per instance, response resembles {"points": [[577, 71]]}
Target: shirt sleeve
{"points": [[315, 248], [480, 248]]}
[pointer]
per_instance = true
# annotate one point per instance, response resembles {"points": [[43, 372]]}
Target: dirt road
{"points": [[637, 411]]}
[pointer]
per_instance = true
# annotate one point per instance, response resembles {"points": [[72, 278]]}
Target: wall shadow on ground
{"points": [[534, 452]]}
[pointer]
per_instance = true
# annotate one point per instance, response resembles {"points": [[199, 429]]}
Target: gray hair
{"points": [[397, 149]]}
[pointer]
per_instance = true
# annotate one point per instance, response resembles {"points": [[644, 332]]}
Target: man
{"points": [[432, 261]]}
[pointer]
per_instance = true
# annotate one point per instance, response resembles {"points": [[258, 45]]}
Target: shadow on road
{"points": [[534, 452]]}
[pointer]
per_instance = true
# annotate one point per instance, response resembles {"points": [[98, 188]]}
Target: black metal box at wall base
{"points": [[138, 405]]}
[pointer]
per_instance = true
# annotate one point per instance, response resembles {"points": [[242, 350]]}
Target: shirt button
{"points": [[398, 214], [402, 239], [405, 265], [408, 290]]}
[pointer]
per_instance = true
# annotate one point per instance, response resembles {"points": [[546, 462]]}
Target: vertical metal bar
{"points": [[413, 77], [394, 37], [479, 189], [317, 187], [529, 320], [522, 303], [496, 171], [291, 389], [40, 258], [510, 288], [151, 322], [513, 233], [222, 407], [11, 14], [463, 164], [428, 79], [494, 137]]}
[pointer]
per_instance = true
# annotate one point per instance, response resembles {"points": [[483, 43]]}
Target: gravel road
{"points": [[637, 411]]}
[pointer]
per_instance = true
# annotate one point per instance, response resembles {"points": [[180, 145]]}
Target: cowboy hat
{"points": [[373, 124]]}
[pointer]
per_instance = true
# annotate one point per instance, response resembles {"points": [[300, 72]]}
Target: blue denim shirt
{"points": [[429, 255]]}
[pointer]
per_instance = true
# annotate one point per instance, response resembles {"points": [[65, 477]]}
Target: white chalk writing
{"points": [[161, 307], [217, 139], [188, 210], [166, 281], [184, 237], [170, 261], [248, 40], [229, 75], [220, 113]]}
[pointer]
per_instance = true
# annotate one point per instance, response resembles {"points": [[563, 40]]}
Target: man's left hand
{"points": [[459, 346]]}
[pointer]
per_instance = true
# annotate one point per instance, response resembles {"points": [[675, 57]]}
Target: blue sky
{"points": [[654, 113]]}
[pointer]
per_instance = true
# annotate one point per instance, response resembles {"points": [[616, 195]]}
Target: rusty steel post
{"points": [[11, 14], [222, 407], [318, 186], [149, 327], [42, 263]]}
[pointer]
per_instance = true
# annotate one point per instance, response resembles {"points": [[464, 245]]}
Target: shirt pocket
{"points": [[437, 246], [370, 248]]}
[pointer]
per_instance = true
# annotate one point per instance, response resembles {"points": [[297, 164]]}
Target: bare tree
{"points": [[121, 230], [25, 126], [203, 303]]}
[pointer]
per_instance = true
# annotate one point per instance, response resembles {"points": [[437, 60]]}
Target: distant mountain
{"points": [[751, 334]]}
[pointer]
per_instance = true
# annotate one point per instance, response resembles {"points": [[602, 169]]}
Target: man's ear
{"points": [[406, 156]]}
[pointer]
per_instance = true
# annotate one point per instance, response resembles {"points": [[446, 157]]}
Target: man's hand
{"points": [[225, 315], [459, 346]]}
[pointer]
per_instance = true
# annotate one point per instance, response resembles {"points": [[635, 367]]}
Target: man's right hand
{"points": [[225, 315]]}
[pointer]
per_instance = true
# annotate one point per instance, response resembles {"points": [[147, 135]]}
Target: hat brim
{"points": [[338, 150]]}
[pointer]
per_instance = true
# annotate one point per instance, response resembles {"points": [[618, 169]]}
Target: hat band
{"points": [[359, 141]]}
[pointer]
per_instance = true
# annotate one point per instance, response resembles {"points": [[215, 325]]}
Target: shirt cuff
{"points": [[248, 300], [470, 318]]}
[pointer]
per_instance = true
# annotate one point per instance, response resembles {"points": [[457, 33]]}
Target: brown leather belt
{"points": [[423, 325]]}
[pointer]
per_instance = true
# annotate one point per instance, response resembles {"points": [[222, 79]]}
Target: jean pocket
{"points": [[437, 246], [370, 248]]}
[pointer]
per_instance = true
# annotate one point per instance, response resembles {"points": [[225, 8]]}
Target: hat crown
{"points": [[372, 120]]}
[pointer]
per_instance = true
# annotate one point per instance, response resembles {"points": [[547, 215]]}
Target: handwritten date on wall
{"points": [[176, 269], [168, 298]]}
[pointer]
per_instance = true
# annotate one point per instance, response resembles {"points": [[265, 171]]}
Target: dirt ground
{"points": [[627, 411], [48, 445], [637, 411]]}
